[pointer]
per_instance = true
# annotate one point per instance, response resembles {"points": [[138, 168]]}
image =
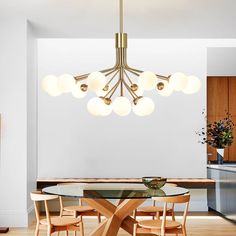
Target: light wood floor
{"points": [[198, 224]]}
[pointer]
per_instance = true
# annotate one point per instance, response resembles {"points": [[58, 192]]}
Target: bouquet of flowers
{"points": [[218, 134]]}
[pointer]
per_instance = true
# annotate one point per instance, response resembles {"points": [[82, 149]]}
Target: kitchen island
{"points": [[222, 197]]}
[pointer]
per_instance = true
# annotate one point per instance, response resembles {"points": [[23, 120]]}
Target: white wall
{"points": [[18, 159], [31, 117], [221, 61], [74, 144], [13, 107]]}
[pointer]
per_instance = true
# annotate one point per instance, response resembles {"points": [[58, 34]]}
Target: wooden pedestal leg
{"points": [[117, 216]]}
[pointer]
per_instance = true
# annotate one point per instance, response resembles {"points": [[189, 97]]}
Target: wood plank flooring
{"points": [[198, 224]]}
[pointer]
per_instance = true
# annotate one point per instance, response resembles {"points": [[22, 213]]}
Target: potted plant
{"points": [[219, 135]]}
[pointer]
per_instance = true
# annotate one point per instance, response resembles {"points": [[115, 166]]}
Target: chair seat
{"points": [[61, 221], [78, 208], [156, 224], [150, 209]]}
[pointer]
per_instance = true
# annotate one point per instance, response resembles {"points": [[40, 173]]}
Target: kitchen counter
{"points": [[224, 167], [222, 197]]}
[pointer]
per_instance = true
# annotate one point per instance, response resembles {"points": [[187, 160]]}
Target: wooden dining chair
{"points": [[56, 223], [154, 210], [164, 226], [77, 210]]}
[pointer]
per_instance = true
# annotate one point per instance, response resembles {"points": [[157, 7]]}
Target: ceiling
{"points": [[143, 18]]}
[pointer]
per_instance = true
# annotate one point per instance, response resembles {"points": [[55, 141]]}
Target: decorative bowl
{"points": [[153, 182]]}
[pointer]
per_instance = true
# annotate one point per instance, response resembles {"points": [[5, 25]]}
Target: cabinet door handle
{"points": [[209, 154]]}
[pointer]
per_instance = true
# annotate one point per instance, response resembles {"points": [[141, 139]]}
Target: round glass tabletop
{"points": [[112, 191]]}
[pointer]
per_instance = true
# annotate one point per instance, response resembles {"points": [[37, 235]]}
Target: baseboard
{"points": [[31, 214]]}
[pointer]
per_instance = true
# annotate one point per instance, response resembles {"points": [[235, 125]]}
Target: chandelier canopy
{"points": [[119, 81]]}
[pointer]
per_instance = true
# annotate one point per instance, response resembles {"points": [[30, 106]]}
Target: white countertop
{"points": [[226, 167]]}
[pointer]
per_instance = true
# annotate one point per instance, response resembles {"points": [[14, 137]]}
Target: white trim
{"points": [[31, 214]]}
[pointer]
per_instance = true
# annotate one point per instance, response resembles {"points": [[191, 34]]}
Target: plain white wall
{"points": [[31, 118], [18, 108], [13, 108], [73, 143], [221, 61]]}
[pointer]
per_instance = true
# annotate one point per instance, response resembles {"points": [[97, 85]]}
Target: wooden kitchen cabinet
{"points": [[217, 96], [221, 98]]}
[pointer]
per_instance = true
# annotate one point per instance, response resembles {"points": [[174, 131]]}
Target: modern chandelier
{"points": [[120, 80]]}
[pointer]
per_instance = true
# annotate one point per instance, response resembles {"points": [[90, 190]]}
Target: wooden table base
{"points": [[4, 230], [117, 216]]}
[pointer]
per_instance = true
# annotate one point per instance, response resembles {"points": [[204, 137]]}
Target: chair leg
{"points": [[158, 215], [134, 214], [81, 228], [135, 230], [173, 215], [37, 230], [66, 233], [49, 231], [99, 218], [184, 231], [163, 233]]}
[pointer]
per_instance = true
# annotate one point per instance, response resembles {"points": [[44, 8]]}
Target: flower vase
{"points": [[220, 155]]}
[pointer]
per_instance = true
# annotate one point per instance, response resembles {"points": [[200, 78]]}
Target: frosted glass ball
{"points": [[193, 85], [178, 81], [167, 90], [96, 81], [144, 107], [66, 83], [94, 106], [147, 80], [50, 85], [121, 106], [77, 92]]}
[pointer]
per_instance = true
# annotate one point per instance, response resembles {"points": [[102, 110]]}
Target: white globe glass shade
{"points": [[94, 106], [144, 107], [96, 81], [50, 85], [77, 92], [178, 81], [121, 106], [193, 85], [66, 83], [147, 80], [167, 90]]}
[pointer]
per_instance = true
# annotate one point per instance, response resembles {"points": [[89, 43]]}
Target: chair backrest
{"points": [[174, 199], [181, 199], [38, 196]]}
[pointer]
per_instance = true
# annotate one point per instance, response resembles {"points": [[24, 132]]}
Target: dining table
{"points": [[102, 196]]}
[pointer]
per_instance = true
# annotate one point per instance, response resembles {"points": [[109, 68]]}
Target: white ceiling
{"points": [[143, 18]]}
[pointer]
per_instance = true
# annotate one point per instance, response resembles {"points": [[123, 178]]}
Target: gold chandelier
{"points": [[119, 81]]}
